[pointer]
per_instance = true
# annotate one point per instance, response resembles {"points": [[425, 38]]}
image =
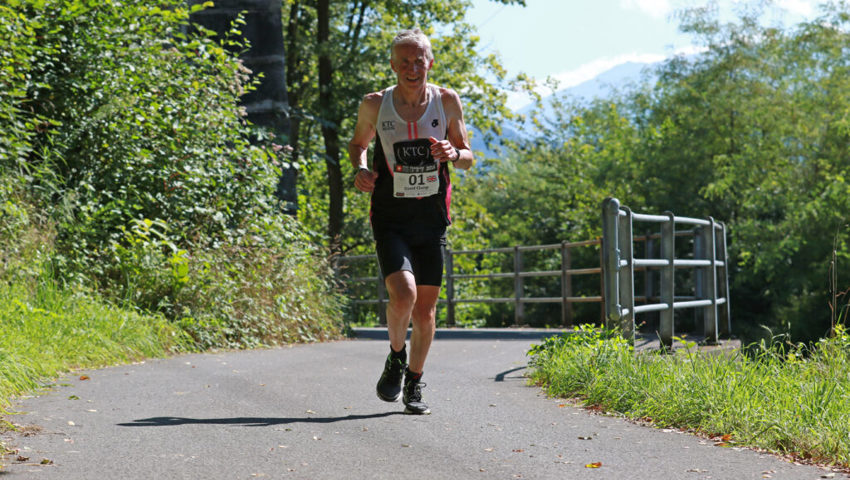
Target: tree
{"points": [[348, 57], [262, 31]]}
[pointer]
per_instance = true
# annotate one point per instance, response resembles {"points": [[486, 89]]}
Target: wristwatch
{"points": [[457, 150]]}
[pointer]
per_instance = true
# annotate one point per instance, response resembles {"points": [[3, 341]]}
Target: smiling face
{"points": [[410, 62]]}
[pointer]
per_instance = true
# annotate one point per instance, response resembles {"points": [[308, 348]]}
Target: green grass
{"points": [[48, 331], [786, 399]]}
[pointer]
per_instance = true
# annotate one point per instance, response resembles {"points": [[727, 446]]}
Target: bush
{"points": [[122, 126]]}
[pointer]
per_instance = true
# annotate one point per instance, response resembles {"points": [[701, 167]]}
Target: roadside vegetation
{"points": [[137, 207], [781, 397]]}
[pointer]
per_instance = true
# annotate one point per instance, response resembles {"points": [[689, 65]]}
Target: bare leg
{"points": [[401, 288], [424, 325]]}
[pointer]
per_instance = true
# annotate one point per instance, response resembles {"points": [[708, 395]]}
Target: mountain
{"points": [[602, 85]]}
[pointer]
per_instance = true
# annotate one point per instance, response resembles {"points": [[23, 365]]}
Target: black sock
{"points": [[414, 376], [400, 355]]}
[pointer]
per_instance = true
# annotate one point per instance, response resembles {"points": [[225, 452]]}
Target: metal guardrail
{"points": [[519, 299], [709, 262], [617, 275]]}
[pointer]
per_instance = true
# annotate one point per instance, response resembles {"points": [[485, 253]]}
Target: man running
{"points": [[420, 131]]}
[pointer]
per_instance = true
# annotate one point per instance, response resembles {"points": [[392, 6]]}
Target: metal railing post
{"points": [[700, 253], [566, 287], [648, 274], [611, 260], [725, 326], [710, 312], [519, 309], [450, 287], [668, 280], [627, 275]]}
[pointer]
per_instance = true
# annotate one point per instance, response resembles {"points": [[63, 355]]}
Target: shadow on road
{"points": [[247, 421], [501, 376]]}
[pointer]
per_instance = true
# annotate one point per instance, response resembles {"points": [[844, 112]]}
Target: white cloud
{"points": [[653, 8], [799, 7], [591, 70]]}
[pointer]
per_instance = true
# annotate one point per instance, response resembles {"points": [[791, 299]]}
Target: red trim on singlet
{"points": [[412, 131]]}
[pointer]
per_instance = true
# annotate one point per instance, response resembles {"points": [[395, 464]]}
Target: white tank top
{"points": [[406, 147]]}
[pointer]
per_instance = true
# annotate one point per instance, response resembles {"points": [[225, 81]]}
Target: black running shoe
{"points": [[389, 386], [413, 403]]}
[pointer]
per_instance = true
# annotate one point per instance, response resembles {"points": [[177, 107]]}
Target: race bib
{"points": [[415, 182], [415, 173]]}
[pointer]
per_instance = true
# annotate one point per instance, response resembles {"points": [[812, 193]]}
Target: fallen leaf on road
{"points": [[593, 465], [73, 397], [726, 437], [518, 450], [22, 458], [562, 405], [46, 462], [721, 444], [85, 377]]}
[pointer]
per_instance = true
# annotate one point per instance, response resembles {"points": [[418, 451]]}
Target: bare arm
{"points": [[458, 138], [364, 132]]}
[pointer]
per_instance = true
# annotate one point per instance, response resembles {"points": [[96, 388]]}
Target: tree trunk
{"points": [[330, 128], [267, 106]]}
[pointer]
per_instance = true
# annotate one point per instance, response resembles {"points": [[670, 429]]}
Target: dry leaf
{"points": [[562, 405], [46, 462], [518, 450], [721, 444], [85, 377], [726, 437], [22, 458], [593, 465]]}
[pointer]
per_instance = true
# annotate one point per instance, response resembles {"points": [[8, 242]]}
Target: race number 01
{"points": [[413, 180]]}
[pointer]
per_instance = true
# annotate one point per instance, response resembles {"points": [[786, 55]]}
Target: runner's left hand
{"points": [[442, 150]]}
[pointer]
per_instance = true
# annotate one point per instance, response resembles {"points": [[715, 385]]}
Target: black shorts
{"points": [[416, 249]]}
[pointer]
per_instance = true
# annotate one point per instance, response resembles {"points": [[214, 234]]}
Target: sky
{"points": [[575, 40]]}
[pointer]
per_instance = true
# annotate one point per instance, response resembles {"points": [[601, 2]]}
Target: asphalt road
{"points": [[310, 412]]}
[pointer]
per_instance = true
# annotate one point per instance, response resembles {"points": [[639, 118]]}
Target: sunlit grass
{"points": [[48, 331], [787, 399]]}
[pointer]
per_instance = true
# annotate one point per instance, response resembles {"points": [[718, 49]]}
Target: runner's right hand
{"points": [[364, 180]]}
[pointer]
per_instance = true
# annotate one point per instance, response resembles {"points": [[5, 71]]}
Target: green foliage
{"points": [[49, 330], [752, 131], [126, 153], [780, 397], [251, 294], [360, 37]]}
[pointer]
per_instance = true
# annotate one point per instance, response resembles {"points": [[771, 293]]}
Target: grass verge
{"points": [[48, 331], [789, 399]]}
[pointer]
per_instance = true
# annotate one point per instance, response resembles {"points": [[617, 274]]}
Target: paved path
{"points": [[310, 412]]}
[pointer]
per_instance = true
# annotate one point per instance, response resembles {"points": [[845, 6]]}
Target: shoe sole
{"points": [[389, 399], [408, 411]]}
